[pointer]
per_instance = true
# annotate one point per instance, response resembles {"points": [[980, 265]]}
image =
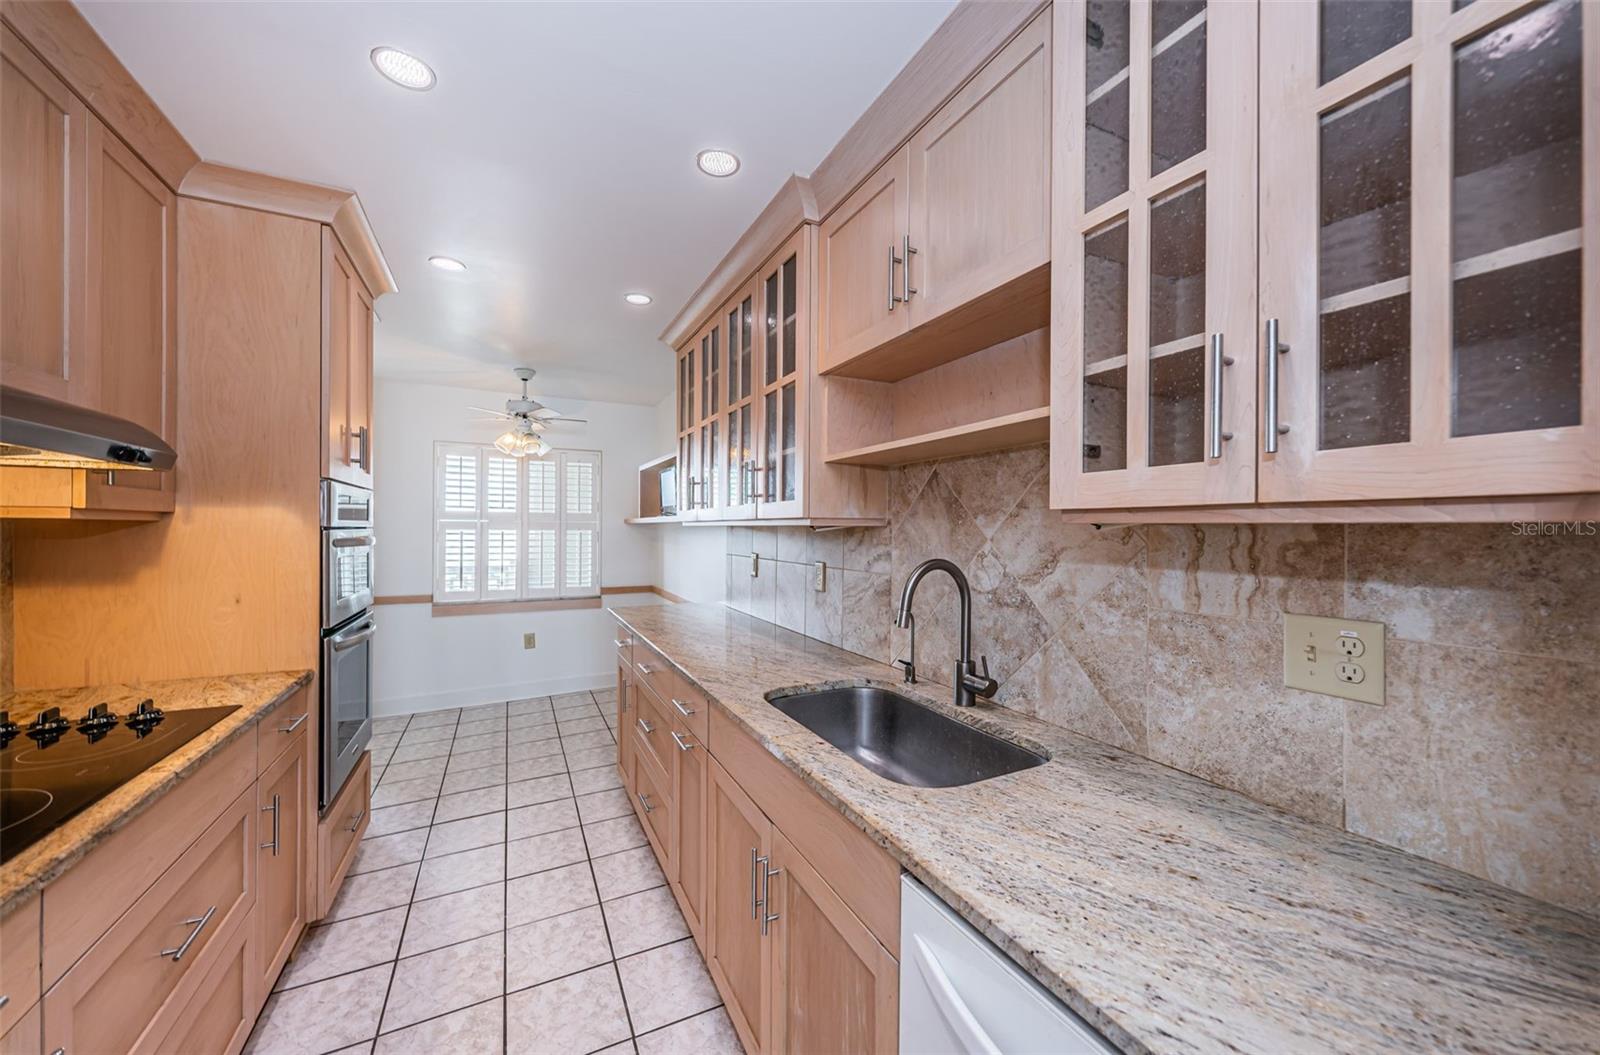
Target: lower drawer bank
{"points": [[796, 912], [168, 934]]}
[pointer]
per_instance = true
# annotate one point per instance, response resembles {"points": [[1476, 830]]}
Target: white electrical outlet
{"points": [[528, 640], [819, 577], [755, 565], [1339, 657]]}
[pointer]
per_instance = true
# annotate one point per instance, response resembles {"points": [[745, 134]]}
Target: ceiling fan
{"points": [[528, 418]]}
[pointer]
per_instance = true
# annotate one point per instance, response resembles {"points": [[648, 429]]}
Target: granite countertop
{"points": [[1172, 914], [253, 694]]}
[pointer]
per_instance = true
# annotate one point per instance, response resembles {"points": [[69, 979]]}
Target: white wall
{"points": [[423, 662], [693, 560]]}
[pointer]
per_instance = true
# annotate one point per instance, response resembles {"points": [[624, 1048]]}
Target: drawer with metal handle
{"points": [[148, 965], [651, 732], [284, 726], [655, 809], [654, 673]]}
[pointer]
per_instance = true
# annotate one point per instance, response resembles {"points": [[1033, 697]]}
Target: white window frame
{"points": [[481, 521]]}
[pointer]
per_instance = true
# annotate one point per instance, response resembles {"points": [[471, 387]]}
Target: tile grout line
{"points": [[605, 924], [394, 965]]}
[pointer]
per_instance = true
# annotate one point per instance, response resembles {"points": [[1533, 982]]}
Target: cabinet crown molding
{"points": [[335, 206]]}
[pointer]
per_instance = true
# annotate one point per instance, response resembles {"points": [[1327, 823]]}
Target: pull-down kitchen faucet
{"points": [[969, 683]]}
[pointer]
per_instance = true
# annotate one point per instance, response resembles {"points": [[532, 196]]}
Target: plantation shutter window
{"points": [[514, 529]]}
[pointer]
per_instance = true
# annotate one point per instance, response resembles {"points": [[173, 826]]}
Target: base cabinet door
{"points": [[691, 778], [221, 1014], [625, 712], [282, 908], [740, 842], [834, 987]]}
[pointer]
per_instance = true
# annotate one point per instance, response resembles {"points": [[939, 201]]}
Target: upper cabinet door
{"points": [[1153, 318], [860, 258], [785, 368], [132, 279], [1430, 201], [980, 182], [43, 173], [740, 428], [347, 366]]}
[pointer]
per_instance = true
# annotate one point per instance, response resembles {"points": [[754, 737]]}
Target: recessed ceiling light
{"points": [[447, 263], [717, 163], [640, 299], [407, 71]]}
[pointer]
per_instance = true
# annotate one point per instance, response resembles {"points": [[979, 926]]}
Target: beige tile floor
{"points": [[504, 900]]}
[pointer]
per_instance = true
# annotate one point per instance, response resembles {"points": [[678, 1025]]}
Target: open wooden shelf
{"points": [[651, 520], [1007, 430]]}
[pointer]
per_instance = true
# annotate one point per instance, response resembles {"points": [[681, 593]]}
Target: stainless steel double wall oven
{"points": [[347, 629]]}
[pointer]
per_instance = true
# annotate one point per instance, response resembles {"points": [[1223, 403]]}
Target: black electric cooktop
{"points": [[55, 767]]}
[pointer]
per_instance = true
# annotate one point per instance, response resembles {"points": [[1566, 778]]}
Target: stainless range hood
{"points": [[38, 431]]}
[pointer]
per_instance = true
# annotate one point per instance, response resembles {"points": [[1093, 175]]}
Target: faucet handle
{"points": [[911, 670], [980, 684]]}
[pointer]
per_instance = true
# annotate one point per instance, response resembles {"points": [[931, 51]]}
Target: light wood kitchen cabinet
{"points": [[19, 962], [163, 948], [1438, 317], [26, 1037], [740, 839], [283, 857], [339, 833], [1419, 342], [691, 785], [44, 172], [1155, 280], [222, 1012], [834, 987], [347, 366], [784, 366], [625, 712], [89, 285], [860, 256], [739, 496], [945, 249]]}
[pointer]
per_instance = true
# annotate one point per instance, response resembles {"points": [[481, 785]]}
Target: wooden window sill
{"points": [[501, 607]]}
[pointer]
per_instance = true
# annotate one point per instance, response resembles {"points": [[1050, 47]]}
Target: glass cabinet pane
{"points": [[1177, 82], [1105, 349], [1177, 327], [771, 429], [681, 392], [705, 376], [713, 468], [1364, 265], [770, 309], [746, 324], [1105, 148], [716, 371], [1516, 214], [733, 459], [733, 356], [1353, 31], [688, 391], [789, 271], [788, 442]]}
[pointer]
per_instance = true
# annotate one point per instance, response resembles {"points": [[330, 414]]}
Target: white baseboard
{"points": [[442, 701]]}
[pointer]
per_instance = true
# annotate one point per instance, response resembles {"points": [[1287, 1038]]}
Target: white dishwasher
{"points": [[961, 994]]}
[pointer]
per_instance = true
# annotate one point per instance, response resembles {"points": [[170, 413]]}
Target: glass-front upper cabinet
{"points": [[1153, 318], [707, 460], [688, 363], [784, 288], [1428, 278], [737, 319]]}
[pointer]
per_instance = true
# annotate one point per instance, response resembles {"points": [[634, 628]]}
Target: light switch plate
{"points": [[528, 640], [1338, 657]]}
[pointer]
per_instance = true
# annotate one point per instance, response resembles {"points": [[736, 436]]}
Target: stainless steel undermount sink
{"points": [[902, 740]]}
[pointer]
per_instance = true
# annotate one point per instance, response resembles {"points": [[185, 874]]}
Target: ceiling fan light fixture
{"points": [[404, 69], [717, 163]]}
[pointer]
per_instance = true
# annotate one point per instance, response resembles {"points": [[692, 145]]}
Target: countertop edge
{"points": [[25, 878]]}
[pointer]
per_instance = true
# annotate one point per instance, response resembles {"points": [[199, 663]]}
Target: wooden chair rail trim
{"points": [[338, 208], [68, 44]]}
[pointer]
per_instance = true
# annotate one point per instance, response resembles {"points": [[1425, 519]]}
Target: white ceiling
{"points": [[555, 156]]}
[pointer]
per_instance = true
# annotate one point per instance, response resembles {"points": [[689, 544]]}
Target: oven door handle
{"points": [[353, 540], [342, 643]]}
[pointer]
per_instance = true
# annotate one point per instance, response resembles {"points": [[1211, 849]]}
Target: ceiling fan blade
{"points": [[566, 421], [486, 410]]}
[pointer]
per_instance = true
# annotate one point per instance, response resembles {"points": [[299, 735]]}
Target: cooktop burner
{"points": [[53, 768]]}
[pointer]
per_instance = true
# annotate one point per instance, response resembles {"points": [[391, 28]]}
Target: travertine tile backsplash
{"points": [[1167, 641]]}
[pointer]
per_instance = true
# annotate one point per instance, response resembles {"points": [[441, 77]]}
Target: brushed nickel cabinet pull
{"points": [[644, 800], [684, 710], [274, 810], [683, 745], [357, 822], [766, 895], [907, 290], [1273, 429], [297, 723], [1218, 361], [199, 924], [646, 726], [893, 260], [755, 867]]}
